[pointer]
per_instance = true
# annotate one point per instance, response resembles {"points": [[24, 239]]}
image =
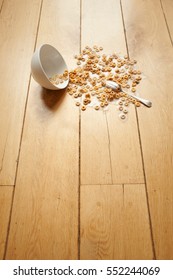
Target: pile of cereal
{"points": [[87, 82]]}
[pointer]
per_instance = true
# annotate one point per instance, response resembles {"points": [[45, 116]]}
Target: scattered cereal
{"points": [[123, 117], [88, 80], [97, 107], [83, 108]]}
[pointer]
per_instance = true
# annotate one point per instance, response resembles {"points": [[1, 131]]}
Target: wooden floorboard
{"points": [[125, 148], [115, 223], [149, 41], [18, 26], [44, 222], [109, 153], [5, 206]]}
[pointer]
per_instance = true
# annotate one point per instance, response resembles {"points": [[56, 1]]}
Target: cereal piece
{"points": [[57, 82], [97, 107], [77, 103], [117, 95], [87, 95], [76, 95], [70, 93], [86, 101], [122, 116], [83, 108], [123, 85], [115, 55], [125, 111], [65, 72], [120, 108], [133, 100], [133, 89], [137, 104]]}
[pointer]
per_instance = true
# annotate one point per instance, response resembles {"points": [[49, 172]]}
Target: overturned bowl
{"points": [[49, 68]]}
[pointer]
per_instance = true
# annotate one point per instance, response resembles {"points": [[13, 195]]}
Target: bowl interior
{"points": [[52, 63]]}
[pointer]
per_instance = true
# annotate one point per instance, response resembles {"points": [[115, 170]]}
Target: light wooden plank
{"points": [[125, 149], [167, 6], [115, 223], [45, 213], [138, 244], [101, 137], [149, 42], [5, 206], [95, 157], [18, 26]]}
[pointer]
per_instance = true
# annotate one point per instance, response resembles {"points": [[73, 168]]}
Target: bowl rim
{"points": [[39, 50]]}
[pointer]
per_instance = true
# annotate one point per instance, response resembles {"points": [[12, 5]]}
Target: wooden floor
{"points": [[84, 185]]}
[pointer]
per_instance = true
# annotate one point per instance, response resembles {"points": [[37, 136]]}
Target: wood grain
{"points": [[167, 6], [45, 212], [101, 137], [115, 223], [18, 26], [149, 41], [1, 3], [5, 206]]}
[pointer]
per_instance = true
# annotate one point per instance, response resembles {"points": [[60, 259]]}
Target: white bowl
{"points": [[45, 63]]}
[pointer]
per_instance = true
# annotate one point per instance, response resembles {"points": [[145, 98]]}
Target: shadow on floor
{"points": [[52, 99]]}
